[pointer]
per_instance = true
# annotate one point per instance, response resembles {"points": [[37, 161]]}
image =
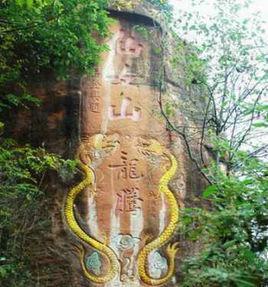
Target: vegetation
{"points": [[164, 8], [22, 197], [227, 62], [47, 36], [37, 37], [234, 232]]}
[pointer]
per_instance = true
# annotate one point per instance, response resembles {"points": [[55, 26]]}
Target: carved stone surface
{"points": [[131, 185], [129, 208]]}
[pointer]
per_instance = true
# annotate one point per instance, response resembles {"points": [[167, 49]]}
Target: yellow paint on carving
{"points": [[98, 141], [106, 251], [171, 250]]}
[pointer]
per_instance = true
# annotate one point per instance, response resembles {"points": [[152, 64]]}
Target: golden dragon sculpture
{"points": [[109, 255], [103, 249], [155, 147]]}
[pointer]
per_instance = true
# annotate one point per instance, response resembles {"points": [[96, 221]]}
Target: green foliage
{"points": [[169, 109], [58, 36], [225, 55], [233, 232], [142, 31], [188, 57], [163, 6], [37, 37], [121, 4], [22, 171], [226, 58]]}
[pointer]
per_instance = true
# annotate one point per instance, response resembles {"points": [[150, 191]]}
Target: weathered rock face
{"points": [[129, 210], [118, 225]]}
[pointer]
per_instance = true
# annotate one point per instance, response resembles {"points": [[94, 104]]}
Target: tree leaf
{"points": [[209, 191]]}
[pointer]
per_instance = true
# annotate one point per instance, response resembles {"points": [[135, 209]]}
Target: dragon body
{"points": [[103, 249], [167, 233], [107, 253]]}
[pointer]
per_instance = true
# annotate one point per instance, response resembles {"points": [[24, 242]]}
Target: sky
{"points": [[257, 5]]}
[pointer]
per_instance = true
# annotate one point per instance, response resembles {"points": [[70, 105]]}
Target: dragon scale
{"points": [[171, 249], [107, 252]]}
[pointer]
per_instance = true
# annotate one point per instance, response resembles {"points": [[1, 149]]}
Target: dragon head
{"points": [[151, 146], [99, 143]]}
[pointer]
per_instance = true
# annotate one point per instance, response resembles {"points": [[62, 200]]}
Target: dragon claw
{"points": [[175, 245], [94, 193], [172, 249]]}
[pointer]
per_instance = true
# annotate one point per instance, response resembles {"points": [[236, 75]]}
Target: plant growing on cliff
{"points": [[225, 56], [44, 37], [57, 36], [227, 62], [233, 233], [23, 172], [36, 38], [162, 6]]}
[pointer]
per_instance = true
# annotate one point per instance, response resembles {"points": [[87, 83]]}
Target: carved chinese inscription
{"points": [[127, 44], [127, 168], [94, 97], [127, 203], [127, 173], [129, 200], [94, 101], [128, 64], [134, 116]]}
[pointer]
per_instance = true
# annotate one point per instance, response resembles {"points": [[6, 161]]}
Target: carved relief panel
{"points": [[128, 215]]}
